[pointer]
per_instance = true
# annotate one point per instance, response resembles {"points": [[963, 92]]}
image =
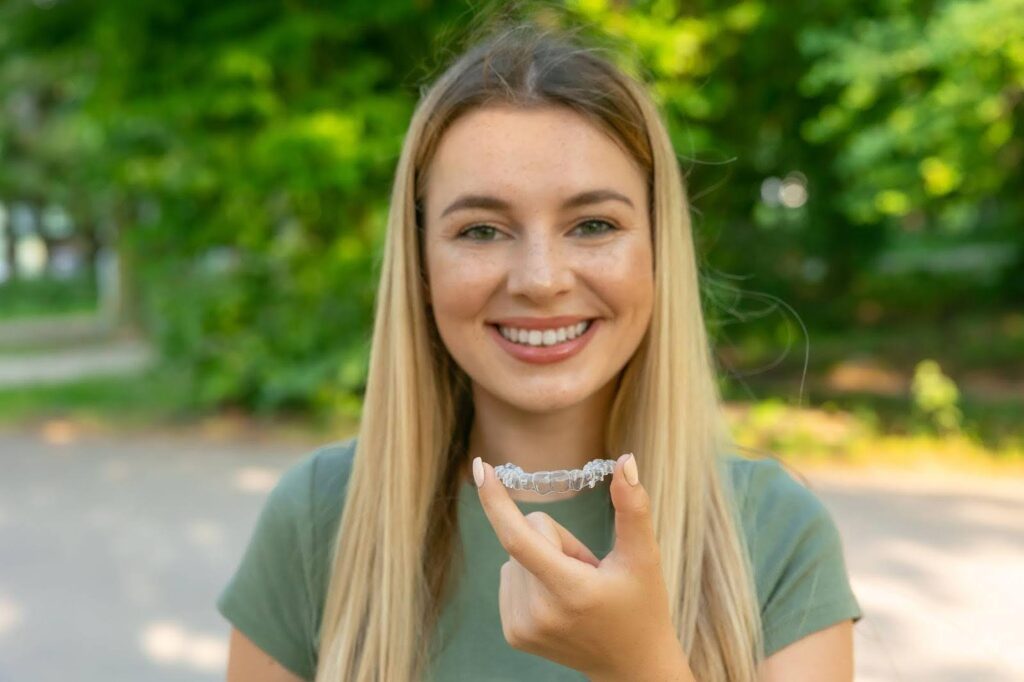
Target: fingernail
{"points": [[478, 471], [629, 469]]}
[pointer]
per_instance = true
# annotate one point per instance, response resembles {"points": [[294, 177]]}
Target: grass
{"points": [[866, 435], [152, 401], [855, 404], [132, 401], [45, 297]]}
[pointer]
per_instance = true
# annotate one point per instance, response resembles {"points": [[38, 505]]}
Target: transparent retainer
{"points": [[561, 481]]}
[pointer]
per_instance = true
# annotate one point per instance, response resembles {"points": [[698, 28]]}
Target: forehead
{"points": [[530, 154]]}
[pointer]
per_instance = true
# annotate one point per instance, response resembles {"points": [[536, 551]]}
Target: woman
{"points": [[538, 305]]}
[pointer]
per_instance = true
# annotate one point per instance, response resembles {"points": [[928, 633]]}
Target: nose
{"points": [[539, 269]]}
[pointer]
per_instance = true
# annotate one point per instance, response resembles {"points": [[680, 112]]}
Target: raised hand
{"points": [[607, 618]]}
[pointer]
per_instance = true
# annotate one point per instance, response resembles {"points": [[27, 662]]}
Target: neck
{"points": [[566, 438]]}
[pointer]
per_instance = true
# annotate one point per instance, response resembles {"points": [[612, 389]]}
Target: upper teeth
{"points": [[545, 337]]}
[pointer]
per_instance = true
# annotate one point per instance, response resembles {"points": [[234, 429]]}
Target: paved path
{"points": [[937, 563], [68, 348], [122, 357], [113, 550]]}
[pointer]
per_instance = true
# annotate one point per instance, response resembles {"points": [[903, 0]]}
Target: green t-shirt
{"points": [[276, 595]]}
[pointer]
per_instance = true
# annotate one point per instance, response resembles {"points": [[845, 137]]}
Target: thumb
{"points": [[635, 541]]}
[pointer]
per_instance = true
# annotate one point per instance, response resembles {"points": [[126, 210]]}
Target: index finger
{"points": [[521, 540]]}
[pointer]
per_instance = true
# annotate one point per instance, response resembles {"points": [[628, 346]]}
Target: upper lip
{"points": [[540, 322]]}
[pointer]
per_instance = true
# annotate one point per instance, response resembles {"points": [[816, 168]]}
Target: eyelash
{"points": [[464, 234]]}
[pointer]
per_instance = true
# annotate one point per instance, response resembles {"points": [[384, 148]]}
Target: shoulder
{"points": [[275, 595], [323, 475], [312, 478], [795, 549], [319, 470], [764, 487], [306, 502], [781, 516], [329, 466]]}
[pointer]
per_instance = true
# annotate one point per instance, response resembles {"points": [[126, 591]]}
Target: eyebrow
{"points": [[593, 196]]}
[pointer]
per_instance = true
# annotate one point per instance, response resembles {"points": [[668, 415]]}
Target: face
{"points": [[538, 254]]}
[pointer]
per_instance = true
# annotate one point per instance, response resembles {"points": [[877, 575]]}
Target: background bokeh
{"points": [[214, 178], [193, 198]]}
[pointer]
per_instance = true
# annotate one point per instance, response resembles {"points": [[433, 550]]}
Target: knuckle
{"points": [[512, 634], [538, 519]]}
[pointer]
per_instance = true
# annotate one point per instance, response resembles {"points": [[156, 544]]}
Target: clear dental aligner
{"points": [[561, 481]]}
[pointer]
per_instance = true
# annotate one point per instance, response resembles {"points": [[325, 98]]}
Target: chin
{"points": [[543, 400]]}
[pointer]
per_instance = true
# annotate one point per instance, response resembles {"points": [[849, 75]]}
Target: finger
{"points": [[537, 554], [560, 536], [512, 598], [634, 527]]}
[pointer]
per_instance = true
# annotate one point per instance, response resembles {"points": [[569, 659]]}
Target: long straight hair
{"points": [[397, 540]]}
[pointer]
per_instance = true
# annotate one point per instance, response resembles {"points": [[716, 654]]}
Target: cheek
{"points": [[624, 276], [459, 286]]}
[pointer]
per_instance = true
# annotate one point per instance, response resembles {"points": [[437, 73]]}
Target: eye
{"points": [[486, 233], [595, 221]]}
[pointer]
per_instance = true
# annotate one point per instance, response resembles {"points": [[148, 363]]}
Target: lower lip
{"points": [[543, 355]]}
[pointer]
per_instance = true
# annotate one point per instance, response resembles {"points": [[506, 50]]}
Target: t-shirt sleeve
{"points": [[269, 597], [801, 578]]}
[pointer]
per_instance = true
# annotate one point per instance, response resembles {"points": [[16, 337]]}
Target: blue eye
{"points": [[595, 221], [479, 229]]}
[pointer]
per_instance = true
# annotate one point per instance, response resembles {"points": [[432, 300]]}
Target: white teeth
{"points": [[546, 337]]}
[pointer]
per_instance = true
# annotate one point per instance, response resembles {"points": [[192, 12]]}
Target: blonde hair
{"points": [[398, 536]]}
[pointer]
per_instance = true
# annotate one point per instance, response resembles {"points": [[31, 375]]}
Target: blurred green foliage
{"points": [[240, 155], [935, 398]]}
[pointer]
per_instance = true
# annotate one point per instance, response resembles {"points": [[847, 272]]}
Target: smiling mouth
{"points": [[543, 338]]}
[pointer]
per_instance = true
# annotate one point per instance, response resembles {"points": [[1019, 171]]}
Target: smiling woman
{"points": [[539, 306], [547, 174]]}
